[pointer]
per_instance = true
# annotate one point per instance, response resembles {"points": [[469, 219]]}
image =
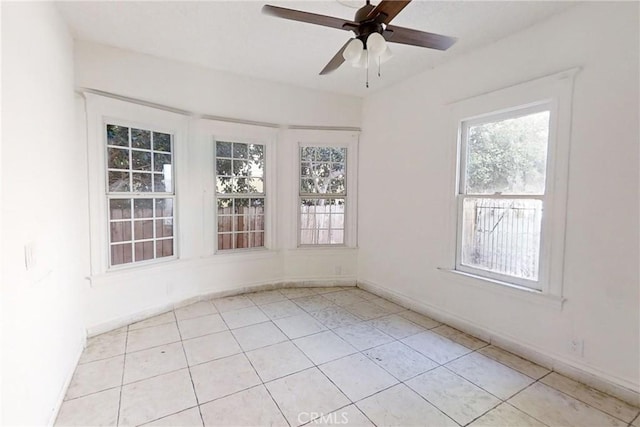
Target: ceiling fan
{"points": [[372, 31]]}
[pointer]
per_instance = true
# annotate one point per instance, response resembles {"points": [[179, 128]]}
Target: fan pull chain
{"points": [[379, 62], [367, 67]]}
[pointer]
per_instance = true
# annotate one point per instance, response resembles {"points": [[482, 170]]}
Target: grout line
{"points": [[124, 365]]}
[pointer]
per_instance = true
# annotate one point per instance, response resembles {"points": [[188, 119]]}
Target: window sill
{"points": [[504, 288]]}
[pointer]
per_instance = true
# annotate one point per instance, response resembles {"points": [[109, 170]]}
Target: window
{"points": [[323, 195], [502, 194], [240, 195], [140, 194]]}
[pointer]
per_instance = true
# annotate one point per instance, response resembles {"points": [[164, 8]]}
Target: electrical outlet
{"points": [[576, 346]]}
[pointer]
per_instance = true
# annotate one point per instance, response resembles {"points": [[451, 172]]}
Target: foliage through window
{"points": [[140, 194], [240, 195], [502, 193], [323, 195]]}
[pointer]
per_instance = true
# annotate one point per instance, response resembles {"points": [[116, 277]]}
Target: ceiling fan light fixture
{"points": [[376, 44], [353, 52]]}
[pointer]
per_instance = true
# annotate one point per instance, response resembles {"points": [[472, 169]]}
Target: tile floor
{"points": [[328, 356]]}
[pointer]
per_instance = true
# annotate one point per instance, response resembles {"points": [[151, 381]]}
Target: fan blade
{"points": [[417, 38], [336, 61], [390, 8], [311, 18]]}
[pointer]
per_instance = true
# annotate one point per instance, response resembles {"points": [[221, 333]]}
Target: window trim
{"points": [[556, 90], [461, 194], [101, 111]]}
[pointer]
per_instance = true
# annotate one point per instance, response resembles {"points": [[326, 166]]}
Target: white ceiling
{"points": [[234, 36]]}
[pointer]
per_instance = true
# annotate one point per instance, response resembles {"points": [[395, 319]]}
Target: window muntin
{"points": [[502, 195], [140, 195], [323, 195], [240, 195]]}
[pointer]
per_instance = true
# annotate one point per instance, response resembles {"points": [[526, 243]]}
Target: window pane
{"points": [[225, 224], [121, 254], [240, 151], [143, 208], [307, 154], [256, 152], [242, 240], [502, 236], [144, 251], [240, 168], [164, 207], [223, 167], [224, 185], [118, 135], [143, 230], [121, 231], [258, 205], [257, 240], [508, 156], [164, 227], [141, 160], [255, 185], [141, 182], [161, 142], [323, 154], [161, 162], [337, 237], [120, 208], [164, 248], [140, 139], [339, 155], [225, 241], [118, 158], [223, 149], [118, 181], [225, 206]]}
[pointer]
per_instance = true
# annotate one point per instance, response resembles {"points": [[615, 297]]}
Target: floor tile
{"points": [[154, 361], [366, 310], [308, 391], [324, 347], [400, 360], [436, 347], [590, 396], [104, 346], [292, 293], [96, 376], [312, 303], [210, 347], [299, 326], [636, 422], [400, 406], [391, 307], [460, 337], [98, 409], [252, 407], [453, 395], [260, 335], [555, 408], [363, 336], [277, 310], [278, 360], [357, 376], [152, 336], [222, 377], [396, 326], [232, 303], [515, 362], [492, 376], [201, 308], [343, 298], [199, 326], [330, 289], [506, 415], [244, 317], [266, 297], [419, 319], [161, 319], [156, 397], [335, 317], [349, 416], [361, 293], [187, 418]]}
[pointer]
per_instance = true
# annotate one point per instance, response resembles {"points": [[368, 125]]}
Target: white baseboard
{"points": [[618, 387], [119, 322], [67, 382]]}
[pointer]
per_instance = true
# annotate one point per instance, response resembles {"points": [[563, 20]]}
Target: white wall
{"points": [[44, 202], [114, 298], [404, 229]]}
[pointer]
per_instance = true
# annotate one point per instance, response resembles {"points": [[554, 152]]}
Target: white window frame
{"points": [[554, 93], [329, 138], [101, 111], [213, 131], [461, 194]]}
